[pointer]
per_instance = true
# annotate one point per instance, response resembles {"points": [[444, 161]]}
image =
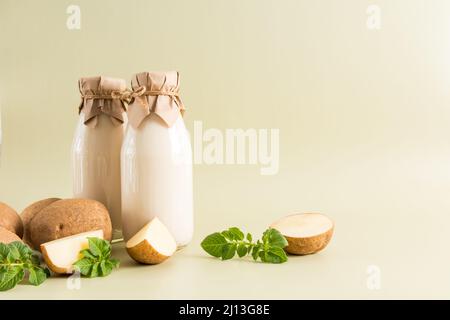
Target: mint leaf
{"points": [[228, 251], [95, 270], [227, 243], [214, 244], [3, 251], [227, 235], [256, 250], [274, 238], [13, 254], [114, 263], [233, 234], [11, 277], [96, 246], [22, 250], [106, 251], [242, 250], [105, 247], [35, 260], [237, 234], [17, 260], [105, 269], [86, 253], [83, 266], [37, 276], [96, 261], [274, 255]]}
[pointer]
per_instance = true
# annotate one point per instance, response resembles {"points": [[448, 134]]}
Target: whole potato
{"points": [[30, 212], [67, 217], [10, 220]]}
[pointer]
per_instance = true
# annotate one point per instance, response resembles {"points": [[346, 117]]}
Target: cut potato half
{"points": [[61, 254], [152, 244], [306, 233]]}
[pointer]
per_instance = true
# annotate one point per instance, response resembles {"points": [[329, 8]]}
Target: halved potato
{"points": [[61, 254], [306, 233], [152, 244]]}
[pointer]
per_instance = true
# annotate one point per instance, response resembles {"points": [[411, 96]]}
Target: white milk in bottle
{"points": [[156, 158], [97, 144]]}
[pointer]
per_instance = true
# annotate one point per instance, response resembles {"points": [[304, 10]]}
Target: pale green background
{"points": [[363, 117]]}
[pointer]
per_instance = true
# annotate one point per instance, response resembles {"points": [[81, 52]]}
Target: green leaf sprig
{"points": [[228, 243], [96, 260], [17, 260]]}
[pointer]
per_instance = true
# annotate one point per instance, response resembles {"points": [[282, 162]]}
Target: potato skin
{"points": [[144, 253], [67, 217], [10, 220], [7, 236], [304, 246], [30, 212]]}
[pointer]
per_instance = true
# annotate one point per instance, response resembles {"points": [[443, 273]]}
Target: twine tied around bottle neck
{"points": [[138, 102], [128, 95]]}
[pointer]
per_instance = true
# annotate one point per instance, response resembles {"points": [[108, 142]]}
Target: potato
{"points": [[61, 254], [7, 236], [68, 217], [10, 220], [153, 244], [30, 212], [306, 233]]}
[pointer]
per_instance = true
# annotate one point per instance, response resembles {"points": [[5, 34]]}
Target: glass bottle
{"points": [[156, 159], [97, 144]]}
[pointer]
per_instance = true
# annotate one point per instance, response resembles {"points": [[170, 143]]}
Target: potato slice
{"points": [[152, 244], [306, 233], [61, 254], [7, 236]]}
